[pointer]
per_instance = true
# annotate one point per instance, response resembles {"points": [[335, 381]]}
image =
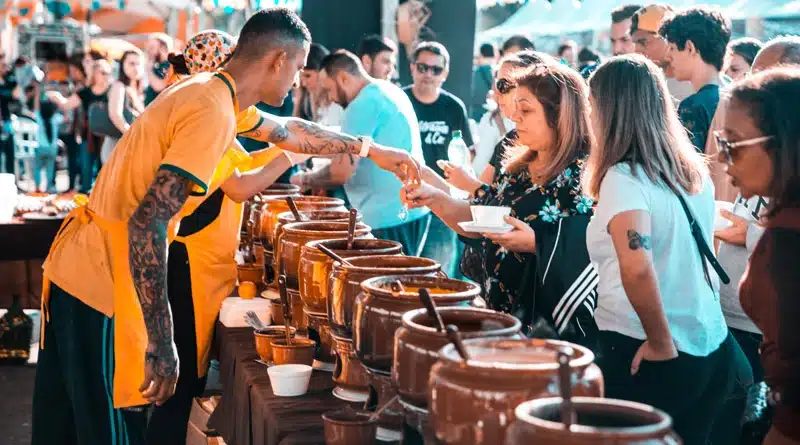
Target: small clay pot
{"points": [[349, 427], [345, 283], [250, 272], [473, 402], [599, 422], [279, 189], [275, 205], [315, 267], [417, 344], [379, 312], [265, 336], [299, 352]]}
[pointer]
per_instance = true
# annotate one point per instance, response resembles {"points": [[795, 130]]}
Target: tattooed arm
{"points": [[300, 136], [631, 234], [147, 244]]}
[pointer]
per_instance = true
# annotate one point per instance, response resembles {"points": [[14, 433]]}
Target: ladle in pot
{"points": [[427, 301], [374, 416], [333, 255], [565, 385], [287, 308], [293, 208], [455, 339], [396, 286], [351, 228]]}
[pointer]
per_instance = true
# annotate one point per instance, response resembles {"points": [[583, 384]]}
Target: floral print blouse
{"points": [[536, 204]]}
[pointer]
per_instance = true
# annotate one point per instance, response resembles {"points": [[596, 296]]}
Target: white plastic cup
{"points": [[489, 216], [289, 380], [720, 222], [8, 197]]}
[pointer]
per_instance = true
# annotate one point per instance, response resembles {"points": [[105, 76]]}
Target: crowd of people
{"points": [[611, 169]]}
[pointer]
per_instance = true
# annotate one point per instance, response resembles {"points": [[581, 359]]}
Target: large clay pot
{"points": [[275, 205], [418, 341], [599, 422], [315, 267], [473, 402], [297, 235], [345, 284], [379, 312], [279, 189]]}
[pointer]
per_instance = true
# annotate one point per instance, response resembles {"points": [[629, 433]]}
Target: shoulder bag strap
{"points": [[705, 250]]}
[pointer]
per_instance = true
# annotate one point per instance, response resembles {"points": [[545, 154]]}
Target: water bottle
{"points": [[458, 154]]}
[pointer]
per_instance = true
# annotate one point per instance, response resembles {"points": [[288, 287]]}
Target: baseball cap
{"points": [[650, 17]]}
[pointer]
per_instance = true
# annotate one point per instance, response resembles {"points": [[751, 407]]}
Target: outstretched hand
{"points": [[399, 162]]}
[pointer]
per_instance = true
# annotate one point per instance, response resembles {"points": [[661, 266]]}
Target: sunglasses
{"points": [[503, 85], [424, 68], [726, 146]]}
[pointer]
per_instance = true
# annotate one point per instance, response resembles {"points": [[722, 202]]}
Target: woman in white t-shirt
{"points": [[663, 336]]}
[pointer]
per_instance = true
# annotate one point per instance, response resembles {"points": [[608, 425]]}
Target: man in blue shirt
{"points": [[380, 110]]}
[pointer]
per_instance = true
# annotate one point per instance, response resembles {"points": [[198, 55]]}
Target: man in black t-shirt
{"points": [[440, 114]]}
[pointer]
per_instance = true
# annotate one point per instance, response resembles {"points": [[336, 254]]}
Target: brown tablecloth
{"points": [[27, 240], [250, 414]]}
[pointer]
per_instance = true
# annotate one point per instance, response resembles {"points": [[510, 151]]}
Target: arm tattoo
{"points": [[307, 137], [637, 240], [147, 244]]}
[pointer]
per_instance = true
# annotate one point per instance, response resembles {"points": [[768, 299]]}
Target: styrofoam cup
{"points": [[489, 216], [289, 380]]}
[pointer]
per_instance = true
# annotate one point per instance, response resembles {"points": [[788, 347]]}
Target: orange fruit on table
{"points": [[247, 290]]}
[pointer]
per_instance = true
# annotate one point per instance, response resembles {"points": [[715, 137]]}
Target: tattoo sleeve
{"points": [[147, 244], [307, 137], [636, 240]]}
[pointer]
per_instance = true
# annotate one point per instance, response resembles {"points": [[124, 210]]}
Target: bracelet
{"points": [[366, 142]]}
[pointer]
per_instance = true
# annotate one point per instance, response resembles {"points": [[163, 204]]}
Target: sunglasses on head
{"points": [[726, 146], [424, 68], [503, 85]]}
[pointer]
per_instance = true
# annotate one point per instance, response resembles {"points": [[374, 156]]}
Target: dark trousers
{"points": [[750, 344], [412, 235], [90, 165], [7, 151], [72, 397], [690, 389], [73, 159], [728, 424], [169, 421]]}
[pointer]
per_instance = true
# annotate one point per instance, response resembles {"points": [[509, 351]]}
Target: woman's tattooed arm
{"points": [[147, 244]]}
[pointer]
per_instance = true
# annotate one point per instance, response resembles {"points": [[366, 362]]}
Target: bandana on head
{"points": [[207, 50]]}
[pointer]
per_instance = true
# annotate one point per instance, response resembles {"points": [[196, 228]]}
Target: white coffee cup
{"points": [[489, 216]]}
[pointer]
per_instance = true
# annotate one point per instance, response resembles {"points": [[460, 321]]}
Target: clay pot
{"points": [[417, 344], [297, 235], [315, 267], [473, 402], [379, 312], [265, 336], [275, 205], [253, 273], [278, 189], [299, 352], [345, 284], [352, 380], [319, 331], [599, 422], [349, 427], [299, 320]]}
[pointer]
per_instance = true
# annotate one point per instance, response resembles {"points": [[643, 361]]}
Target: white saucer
{"points": [[471, 226], [349, 395]]}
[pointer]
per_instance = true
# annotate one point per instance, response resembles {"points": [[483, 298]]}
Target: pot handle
{"points": [[440, 274], [337, 370]]}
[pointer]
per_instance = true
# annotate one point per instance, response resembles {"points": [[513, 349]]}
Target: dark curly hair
{"points": [[747, 47], [705, 27], [764, 96]]}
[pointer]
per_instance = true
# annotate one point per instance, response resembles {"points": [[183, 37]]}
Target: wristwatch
{"points": [[366, 142]]}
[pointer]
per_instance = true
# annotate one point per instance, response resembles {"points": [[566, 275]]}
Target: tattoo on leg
{"points": [[147, 244], [637, 240]]}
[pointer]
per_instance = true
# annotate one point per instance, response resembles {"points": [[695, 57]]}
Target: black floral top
{"points": [[537, 205]]}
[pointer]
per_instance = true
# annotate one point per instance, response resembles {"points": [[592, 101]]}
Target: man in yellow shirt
{"points": [[107, 345]]}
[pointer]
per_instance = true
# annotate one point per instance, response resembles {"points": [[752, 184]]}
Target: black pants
{"points": [[169, 421], [690, 389], [72, 397], [73, 159], [7, 152], [412, 235]]}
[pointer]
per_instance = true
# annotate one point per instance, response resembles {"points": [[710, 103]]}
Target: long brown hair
{"points": [[636, 123], [562, 93], [766, 97]]}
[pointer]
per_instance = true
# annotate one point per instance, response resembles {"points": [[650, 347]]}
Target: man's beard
{"points": [[341, 97]]}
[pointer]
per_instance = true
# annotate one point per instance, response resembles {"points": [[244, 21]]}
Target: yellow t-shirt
{"points": [[186, 129]]}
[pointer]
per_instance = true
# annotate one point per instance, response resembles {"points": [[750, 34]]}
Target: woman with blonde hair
{"points": [[663, 336], [540, 182]]}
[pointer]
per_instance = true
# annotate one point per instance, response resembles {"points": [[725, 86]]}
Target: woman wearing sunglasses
{"points": [[663, 336], [540, 182], [761, 150], [496, 129]]}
